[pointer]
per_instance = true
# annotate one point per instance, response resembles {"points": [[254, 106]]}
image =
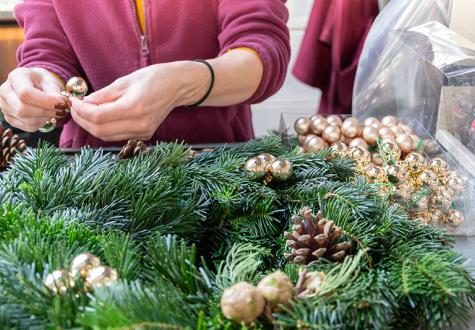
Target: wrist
{"points": [[194, 81]]}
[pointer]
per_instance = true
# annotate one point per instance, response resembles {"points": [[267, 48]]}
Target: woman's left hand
{"points": [[134, 106]]}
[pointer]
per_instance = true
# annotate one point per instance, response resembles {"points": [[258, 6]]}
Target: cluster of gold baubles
{"points": [[85, 267], [269, 168], [317, 133], [243, 302]]}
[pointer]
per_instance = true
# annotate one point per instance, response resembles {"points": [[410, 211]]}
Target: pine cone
{"points": [[132, 149], [314, 237], [10, 144]]}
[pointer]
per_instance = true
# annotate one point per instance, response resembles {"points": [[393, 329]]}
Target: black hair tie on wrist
{"points": [[211, 85]]}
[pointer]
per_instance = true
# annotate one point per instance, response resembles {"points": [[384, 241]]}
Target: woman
{"points": [[137, 55]]}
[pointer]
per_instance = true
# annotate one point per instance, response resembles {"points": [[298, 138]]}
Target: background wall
{"points": [[294, 95]]}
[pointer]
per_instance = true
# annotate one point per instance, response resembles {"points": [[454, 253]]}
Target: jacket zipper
{"points": [[144, 48]]}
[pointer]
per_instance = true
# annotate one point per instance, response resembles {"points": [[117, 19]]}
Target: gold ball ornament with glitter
{"points": [[331, 134], [429, 179], [396, 174], [389, 121], [454, 218], [392, 150], [76, 87], [315, 144], [439, 166], [441, 199], [334, 120], [256, 168], [351, 127], [420, 204], [401, 196], [456, 185], [281, 170], [377, 159], [360, 155], [83, 263], [376, 173], [339, 149], [318, 125], [100, 276], [242, 303], [267, 158], [302, 125], [59, 281], [414, 161]]}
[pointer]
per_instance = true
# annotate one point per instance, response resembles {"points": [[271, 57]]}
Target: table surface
{"points": [[466, 246]]}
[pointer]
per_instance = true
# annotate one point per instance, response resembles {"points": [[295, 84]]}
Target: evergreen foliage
{"points": [[180, 229]]}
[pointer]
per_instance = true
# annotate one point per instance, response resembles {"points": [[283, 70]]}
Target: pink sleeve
{"points": [[45, 46], [261, 26]]}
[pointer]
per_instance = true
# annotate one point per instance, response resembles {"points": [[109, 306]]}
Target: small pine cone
{"points": [[10, 145], [314, 237], [132, 149]]}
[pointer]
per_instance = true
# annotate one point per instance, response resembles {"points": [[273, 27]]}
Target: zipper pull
{"points": [[144, 45]]}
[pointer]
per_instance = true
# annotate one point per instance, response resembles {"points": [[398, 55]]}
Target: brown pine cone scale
{"points": [[10, 144], [314, 237]]}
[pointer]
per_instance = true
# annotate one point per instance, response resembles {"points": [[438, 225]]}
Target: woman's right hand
{"points": [[30, 97]]}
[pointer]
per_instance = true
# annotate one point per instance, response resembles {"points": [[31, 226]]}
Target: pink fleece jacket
{"points": [[101, 41]]}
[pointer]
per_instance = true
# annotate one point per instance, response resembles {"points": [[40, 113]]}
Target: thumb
{"points": [[105, 95], [51, 83]]}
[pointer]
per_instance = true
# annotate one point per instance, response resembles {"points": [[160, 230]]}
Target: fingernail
{"points": [[61, 114], [61, 106]]}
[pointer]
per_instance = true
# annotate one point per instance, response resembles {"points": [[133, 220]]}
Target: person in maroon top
{"points": [[144, 79]]}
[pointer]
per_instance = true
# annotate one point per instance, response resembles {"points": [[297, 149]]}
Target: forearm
{"points": [[238, 74]]}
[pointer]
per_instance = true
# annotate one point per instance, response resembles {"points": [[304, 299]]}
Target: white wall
{"points": [[294, 96]]}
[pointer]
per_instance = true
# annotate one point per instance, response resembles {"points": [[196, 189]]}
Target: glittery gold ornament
{"points": [[100, 276], [315, 144], [256, 168], [334, 120], [76, 87], [439, 166], [377, 159], [351, 127], [389, 121], [454, 218], [405, 143], [331, 134], [420, 204], [401, 196], [302, 125], [360, 155], [375, 173], [59, 281], [456, 185], [391, 150], [429, 179], [370, 121], [396, 174], [339, 149], [83, 263], [414, 161], [281, 170], [441, 200], [359, 142], [370, 135], [267, 158], [242, 303], [318, 125]]}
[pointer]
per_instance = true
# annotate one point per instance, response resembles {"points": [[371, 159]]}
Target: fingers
{"points": [[107, 94], [16, 108], [102, 113]]}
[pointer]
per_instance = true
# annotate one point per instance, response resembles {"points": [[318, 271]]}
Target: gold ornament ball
{"points": [[405, 143], [371, 121], [339, 149], [401, 196], [435, 217], [358, 142], [421, 204], [375, 173], [83, 263], [455, 218], [101, 276], [360, 155], [302, 125], [389, 121], [281, 170], [276, 289], [267, 158], [318, 125], [430, 146], [415, 161], [312, 118], [301, 139], [332, 134], [59, 281], [256, 168], [397, 130], [77, 87], [377, 159], [441, 200], [386, 132], [396, 174], [315, 144], [300, 150], [370, 135], [334, 120], [242, 303], [456, 184], [351, 127], [439, 166], [406, 129], [429, 179]]}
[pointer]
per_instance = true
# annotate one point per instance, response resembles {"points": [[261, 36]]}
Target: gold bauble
{"points": [[430, 146], [281, 170], [392, 150], [312, 118], [454, 218], [318, 125], [277, 289], [242, 303], [397, 130], [435, 217], [371, 121], [101, 276], [441, 200], [334, 120], [358, 142], [300, 150], [389, 121], [416, 140], [456, 184], [421, 204], [415, 161], [360, 155], [315, 144], [267, 158], [59, 281], [370, 135], [83, 263], [331, 134], [301, 139], [256, 168], [429, 179], [405, 143], [406, 129], [377, 159], [302, 125], [351, 127], [386, 132], [375, 173], [339, 149], [396, 174], [439, 166], [77, 87], [401, 196]]}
